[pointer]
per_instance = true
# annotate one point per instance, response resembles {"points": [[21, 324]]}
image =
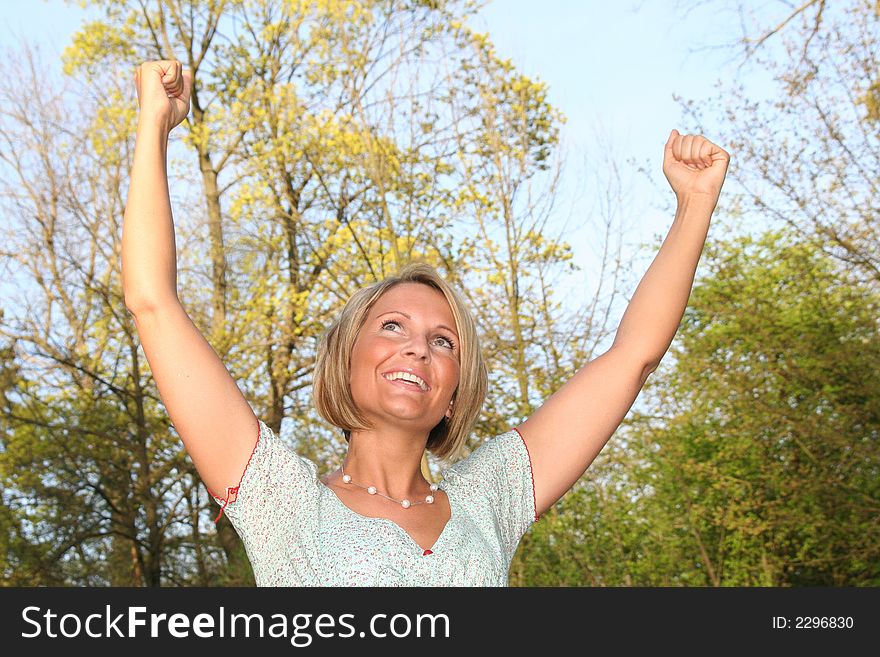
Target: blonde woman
{"points": [[399, 372]]}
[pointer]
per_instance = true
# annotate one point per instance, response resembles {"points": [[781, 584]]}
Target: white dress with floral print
{"points": [[297, 532]]}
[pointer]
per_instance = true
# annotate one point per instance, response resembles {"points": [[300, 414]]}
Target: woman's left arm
{"points": [[569, 430]]}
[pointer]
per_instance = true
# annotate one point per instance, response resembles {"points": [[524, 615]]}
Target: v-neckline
{"points": [[412, 541]]}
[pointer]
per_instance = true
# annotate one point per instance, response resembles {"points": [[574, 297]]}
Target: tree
{"points": [[808, 153], [761, 467], [329, 149], [83, 452]]}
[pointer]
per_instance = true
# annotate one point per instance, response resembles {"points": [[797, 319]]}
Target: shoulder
{"points": [[496, 479], [270, 449], [273, 470], [502, 455]]}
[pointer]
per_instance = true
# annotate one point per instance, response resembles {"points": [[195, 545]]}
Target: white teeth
{"points": [[407, 376]]}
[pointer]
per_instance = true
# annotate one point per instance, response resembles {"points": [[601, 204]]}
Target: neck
{"points": [[389, 459]]}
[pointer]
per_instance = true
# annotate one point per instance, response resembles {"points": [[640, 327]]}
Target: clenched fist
{"points": [[694, 165], [163, 91]]}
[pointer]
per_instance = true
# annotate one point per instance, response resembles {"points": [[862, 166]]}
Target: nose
{"points": [[417, 347]]}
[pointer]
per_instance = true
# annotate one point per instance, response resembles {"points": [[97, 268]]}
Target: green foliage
{"points": [[324, 163], [779, 352], [763, 469], [326, 147]]}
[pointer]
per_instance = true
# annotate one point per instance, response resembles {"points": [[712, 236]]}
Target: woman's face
{"points": [[410, 328]]}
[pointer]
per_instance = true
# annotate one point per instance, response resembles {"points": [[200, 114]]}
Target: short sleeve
{"points": [[276, 487], [501, 468]]}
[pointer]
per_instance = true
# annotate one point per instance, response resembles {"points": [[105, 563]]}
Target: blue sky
{"points": [[612, 69], [615, 61]]}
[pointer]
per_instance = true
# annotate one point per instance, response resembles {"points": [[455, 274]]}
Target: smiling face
{"points": [[411, 329]]}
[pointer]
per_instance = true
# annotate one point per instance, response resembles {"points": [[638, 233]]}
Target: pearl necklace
{"points": [[429, 499]]}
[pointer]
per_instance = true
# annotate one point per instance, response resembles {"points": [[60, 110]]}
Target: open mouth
{"points": [[407, 385]]}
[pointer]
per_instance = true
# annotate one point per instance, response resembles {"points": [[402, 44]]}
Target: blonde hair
{"points": [[331, 391]]}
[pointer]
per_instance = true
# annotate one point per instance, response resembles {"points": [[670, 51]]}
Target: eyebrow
{"points": [[400, 312]]}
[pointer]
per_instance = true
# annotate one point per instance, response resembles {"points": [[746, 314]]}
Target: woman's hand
{"points": [[694, 165], [163, 91]]}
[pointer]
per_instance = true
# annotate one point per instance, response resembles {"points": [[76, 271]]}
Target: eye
{"points": [[442, 337], [448, 341]]}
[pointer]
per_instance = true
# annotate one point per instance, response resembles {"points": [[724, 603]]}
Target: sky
{"points": [[617, 62], [612, 69]]}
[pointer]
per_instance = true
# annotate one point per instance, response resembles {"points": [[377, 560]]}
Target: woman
{"points": [[400, 371]]}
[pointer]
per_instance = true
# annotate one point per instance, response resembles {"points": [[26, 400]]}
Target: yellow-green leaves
{"points": [[98, 44]]}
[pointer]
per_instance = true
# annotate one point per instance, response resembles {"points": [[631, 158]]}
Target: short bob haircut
{"points": [[331, 391]]}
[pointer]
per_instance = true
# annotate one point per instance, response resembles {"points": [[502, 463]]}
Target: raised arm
{"points": [[208, 410], [569, 430]]}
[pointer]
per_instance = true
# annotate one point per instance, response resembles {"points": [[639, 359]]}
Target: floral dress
{"points": [[297, 532]]}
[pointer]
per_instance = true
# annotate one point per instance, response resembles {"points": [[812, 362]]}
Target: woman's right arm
{"points": [[209, 412]]}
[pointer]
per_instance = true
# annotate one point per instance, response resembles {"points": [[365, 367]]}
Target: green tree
{"points": [[777, 451], [763, 468], [328, 149]]}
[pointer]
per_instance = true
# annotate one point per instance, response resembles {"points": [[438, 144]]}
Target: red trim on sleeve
{"points": [[233, 490], [532, 473]]}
